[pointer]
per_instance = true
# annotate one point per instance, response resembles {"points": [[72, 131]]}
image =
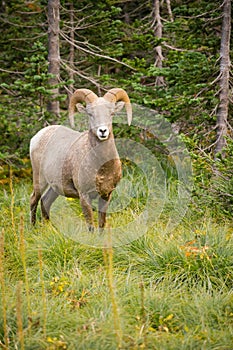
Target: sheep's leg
{"points": [[103, 206], [46, 201], [87, 211], [34, 199], [39, 186]]}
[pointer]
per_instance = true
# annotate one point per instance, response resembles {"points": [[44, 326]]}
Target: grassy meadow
{"points": [[161, 291]]}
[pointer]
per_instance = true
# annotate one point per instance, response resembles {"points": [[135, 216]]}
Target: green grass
{"points": [[161, 291]]}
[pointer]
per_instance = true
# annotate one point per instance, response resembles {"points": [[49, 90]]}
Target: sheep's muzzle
{"points": [[102, 132]]}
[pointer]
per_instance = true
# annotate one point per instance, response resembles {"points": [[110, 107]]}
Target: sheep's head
{"points": [[100, 109]]}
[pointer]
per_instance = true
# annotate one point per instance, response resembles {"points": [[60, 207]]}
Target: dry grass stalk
{"points": [[3, 287], [19, 315], [43, 291], [23, 257], [143, 329], [108, 259], [12, 205]]}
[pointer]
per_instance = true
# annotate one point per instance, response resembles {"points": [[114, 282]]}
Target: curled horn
{"points": [[80, 95], [118, 94]]}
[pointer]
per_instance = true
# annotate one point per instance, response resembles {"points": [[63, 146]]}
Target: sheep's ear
{"points": [[119, 106], [81, 108]]}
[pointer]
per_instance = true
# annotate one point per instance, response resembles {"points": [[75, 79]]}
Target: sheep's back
{"points": [[49, 150]]}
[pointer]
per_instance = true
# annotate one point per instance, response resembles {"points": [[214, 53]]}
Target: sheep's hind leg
{"points": [[46, 201], [34, 199], [87, 211]]}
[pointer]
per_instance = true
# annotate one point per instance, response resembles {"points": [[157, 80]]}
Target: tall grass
{"points": [[3, 292], [158, 292], [108, 259]]}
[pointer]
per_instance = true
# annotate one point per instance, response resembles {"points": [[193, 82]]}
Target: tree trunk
{"points": [[158, 30], [3, 6], [222, 110], [71, 58], [169, 10], [53, 53]]}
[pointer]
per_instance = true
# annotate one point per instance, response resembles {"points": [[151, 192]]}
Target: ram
{"points": [[83, 165]]}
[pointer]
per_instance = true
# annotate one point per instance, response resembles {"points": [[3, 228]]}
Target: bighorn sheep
{"points": [[76, 164]]}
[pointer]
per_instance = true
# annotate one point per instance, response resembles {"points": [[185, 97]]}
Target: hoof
{"points": [[91, 229]]}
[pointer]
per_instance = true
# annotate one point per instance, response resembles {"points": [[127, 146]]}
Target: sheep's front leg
{"points": [[87, 211], [103, 206]]}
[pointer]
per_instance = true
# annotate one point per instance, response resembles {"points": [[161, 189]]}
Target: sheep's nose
{"points": [[103, 132]]}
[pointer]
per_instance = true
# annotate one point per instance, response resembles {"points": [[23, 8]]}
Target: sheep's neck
{"points": [[105, 164], [94, 141], [103, 151]]}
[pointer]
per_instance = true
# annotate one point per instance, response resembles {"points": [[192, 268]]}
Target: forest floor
{"points": [[160, 291]]}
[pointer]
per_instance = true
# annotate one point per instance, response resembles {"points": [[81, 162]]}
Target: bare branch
{"points": [[3, 19], [28, 39], [10, 71], [77, 11], [203, 14], [229, 126], [174, 48], [213, 144], [9, 92], [201, 91], [81, 74], [94, 53], [214, 111], [217, 79], [81, 27]]}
